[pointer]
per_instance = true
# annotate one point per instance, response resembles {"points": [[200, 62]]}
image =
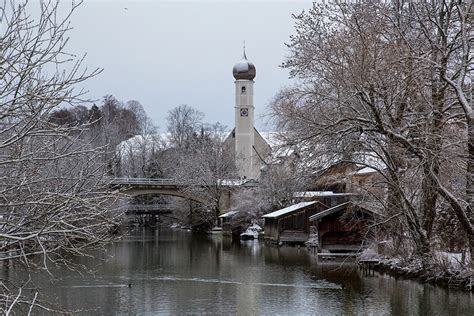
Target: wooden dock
{"points": [[329, 256], [368, 265]]}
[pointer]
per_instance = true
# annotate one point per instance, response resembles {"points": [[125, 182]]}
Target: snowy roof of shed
{"points": [[366, 170], [228, 214], [288, 209], [238, 182], [329, 211], [318, 194], [336, 209]]}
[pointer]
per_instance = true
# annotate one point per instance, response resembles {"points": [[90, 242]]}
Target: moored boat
{"points": [[252, 232]]}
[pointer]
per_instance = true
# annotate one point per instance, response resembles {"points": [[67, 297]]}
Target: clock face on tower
{"points": [[244, 112]]}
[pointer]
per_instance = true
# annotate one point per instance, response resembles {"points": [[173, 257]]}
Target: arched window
{"points": [[243, 89]]}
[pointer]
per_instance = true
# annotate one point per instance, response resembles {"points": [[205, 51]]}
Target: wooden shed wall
{"points": [[334, 230], [298, 220]]}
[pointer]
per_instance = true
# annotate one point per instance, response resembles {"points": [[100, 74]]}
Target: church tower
{"points": [[244, 73]]}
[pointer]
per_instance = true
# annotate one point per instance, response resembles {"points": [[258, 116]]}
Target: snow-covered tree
{"points": [[53, 201], [206, 167], [387, 80]]}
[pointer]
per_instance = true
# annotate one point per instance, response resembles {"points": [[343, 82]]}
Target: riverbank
{"points": [[444, 271]]}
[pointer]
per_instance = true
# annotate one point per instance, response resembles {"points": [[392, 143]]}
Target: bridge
{"points": [[148, 209], [175, 183], [149, 214], [141, 186], [142, 181]]}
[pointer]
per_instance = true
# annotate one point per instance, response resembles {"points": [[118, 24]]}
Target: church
{"points": [[248, 148]]}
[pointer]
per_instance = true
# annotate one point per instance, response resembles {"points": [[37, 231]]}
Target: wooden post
{"points": [[313, 239]]}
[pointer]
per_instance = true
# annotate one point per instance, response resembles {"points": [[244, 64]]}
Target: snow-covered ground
{"points": [[447, 267]]}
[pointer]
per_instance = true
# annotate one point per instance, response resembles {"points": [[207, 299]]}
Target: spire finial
{"points": [[245, 56]]}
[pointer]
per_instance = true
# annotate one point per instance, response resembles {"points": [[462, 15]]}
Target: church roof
{"points": [[244, 69]]}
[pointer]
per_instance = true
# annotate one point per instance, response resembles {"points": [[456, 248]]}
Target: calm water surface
{"points": [[176, 272]]}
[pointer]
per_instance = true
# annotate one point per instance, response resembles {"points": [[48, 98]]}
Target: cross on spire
{"points": [[245, 56]]}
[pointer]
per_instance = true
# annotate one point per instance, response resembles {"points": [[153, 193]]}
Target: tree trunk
{"points": [[470, 239], [414, 222], [429, 196], [470, 189]]}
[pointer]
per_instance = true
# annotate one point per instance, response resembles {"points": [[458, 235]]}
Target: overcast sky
{"points": [[167, 53]]}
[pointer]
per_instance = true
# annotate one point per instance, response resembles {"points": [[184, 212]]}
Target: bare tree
{"points": [[281, 179], [206, 168], [183, 123], [458, 74], [137, 154], [373, 84], [53, 202]]}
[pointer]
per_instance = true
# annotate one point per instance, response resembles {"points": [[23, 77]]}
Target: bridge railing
{"points": [[173, 182], [148, 207], [138, 181]]}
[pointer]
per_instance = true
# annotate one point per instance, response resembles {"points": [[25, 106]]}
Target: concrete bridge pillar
{"points": [[225, 202]]}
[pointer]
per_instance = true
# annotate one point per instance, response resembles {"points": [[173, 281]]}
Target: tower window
{"points": [[243, 90]]}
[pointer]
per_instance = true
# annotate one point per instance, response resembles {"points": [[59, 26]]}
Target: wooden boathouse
{"points": [[341, 228], [291, 225], [226, 217]]}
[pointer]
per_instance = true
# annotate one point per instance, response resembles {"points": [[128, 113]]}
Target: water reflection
{"points": [[175, 272]]}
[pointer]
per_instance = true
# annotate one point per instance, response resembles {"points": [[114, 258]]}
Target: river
{"points": [[176, 272]]}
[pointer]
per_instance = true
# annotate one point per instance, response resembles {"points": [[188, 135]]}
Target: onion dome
{"points": [[244, 70]]}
